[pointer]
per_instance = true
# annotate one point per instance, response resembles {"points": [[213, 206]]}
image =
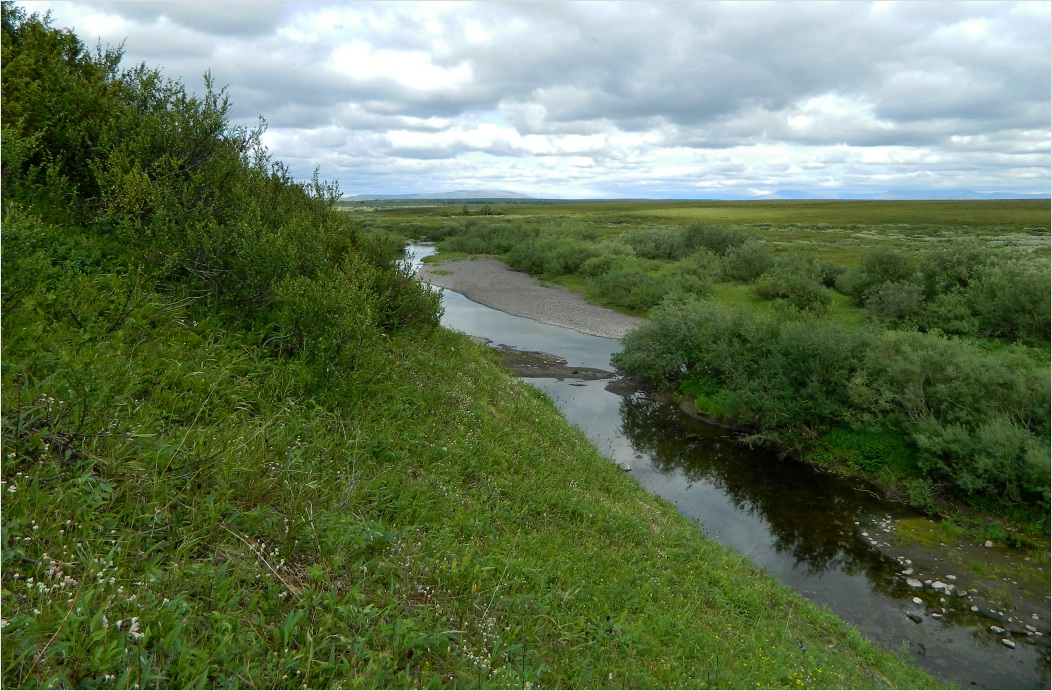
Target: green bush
{"points": [[632, 287], [655, 244], [476, 238], [896, 303], [796, 283], [975, 423], [194, 201], [716, 239], [878, 266], [1011, 301], [557, 249], [749, 261]]}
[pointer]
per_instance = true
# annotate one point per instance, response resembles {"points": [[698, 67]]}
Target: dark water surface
{"points": [[796, 523]]}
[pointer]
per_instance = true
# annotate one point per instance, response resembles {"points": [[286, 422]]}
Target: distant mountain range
{"points": [[889, 195], [459, 194], [901, 195]]}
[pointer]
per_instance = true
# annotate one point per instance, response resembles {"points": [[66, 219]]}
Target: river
{"points": [[826, 537]]}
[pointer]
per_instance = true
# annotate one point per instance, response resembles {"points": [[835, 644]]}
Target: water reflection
{"points": [[809, 515]]}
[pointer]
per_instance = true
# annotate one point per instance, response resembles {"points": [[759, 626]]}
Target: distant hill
{"points": [[900, 194], [458, 194]]}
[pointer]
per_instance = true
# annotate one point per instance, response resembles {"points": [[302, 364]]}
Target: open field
{"points": [[835, 231]]}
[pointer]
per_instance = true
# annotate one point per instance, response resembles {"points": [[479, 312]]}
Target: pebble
{"points": [[997, 629], [951, 577], [1008, 643], [936, 615], [988, 543], [914, 583], [914, 617], [907, 572], [918, 601], [974, 608]]}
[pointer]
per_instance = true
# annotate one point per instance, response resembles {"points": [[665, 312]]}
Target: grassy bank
{"points": [[238, 452], [182, 510]]}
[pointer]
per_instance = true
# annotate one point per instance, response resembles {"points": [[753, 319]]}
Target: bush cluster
{"points": [[966, 288], [191, 198], [975, 421]]}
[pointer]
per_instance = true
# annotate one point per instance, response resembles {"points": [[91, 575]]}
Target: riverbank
{"points": [[494, 284]]}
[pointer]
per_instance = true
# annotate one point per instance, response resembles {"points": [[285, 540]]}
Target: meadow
{"points": [[904, 341], [238, 451]]}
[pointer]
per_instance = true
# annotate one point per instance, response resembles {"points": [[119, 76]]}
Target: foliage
{"points": [[749, 261], [976, 422], [715, 238], [797, 283]]}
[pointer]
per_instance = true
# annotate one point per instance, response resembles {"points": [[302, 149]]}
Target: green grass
{"points": [[1010, 215], [182, 510]]}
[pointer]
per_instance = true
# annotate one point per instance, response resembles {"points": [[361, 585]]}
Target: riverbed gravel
{"points": [[492, 283]]}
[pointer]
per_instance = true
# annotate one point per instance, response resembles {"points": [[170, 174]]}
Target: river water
{"points": [[812, 531]]}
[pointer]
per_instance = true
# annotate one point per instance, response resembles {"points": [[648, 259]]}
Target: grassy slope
{"points": [[182, 510]]}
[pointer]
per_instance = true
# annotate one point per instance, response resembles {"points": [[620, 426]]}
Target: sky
{"points": [[618, 99]]}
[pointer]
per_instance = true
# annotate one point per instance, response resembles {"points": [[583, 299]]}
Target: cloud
{"points": [[610, 97]]}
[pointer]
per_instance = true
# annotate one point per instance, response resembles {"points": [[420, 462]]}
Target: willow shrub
{"points": [[976, 422], [191, 200]]}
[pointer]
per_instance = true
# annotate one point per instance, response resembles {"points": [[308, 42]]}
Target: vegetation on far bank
{"points": [[914, 353], [237, 452]]}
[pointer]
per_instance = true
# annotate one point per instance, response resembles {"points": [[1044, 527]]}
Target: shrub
{"points": [[655, 244], [714, 238], [558, 248], [955, 266], [633, 287], [969, 423], [610, 254], [748, 261], [950, 313], [1011, 301], [881, 265], [798, 284], [476, 238], [896, 302]]}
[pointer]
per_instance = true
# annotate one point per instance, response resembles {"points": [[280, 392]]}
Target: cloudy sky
{"points": [[619, 99]]}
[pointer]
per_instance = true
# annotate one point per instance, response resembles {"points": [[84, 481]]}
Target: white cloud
{"points": [[628, 98]]}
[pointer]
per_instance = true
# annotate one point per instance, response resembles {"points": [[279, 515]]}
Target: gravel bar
{"points": [[492, 283]]}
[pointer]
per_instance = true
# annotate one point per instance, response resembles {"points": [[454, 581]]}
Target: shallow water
{"points": [[796, 523]]}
